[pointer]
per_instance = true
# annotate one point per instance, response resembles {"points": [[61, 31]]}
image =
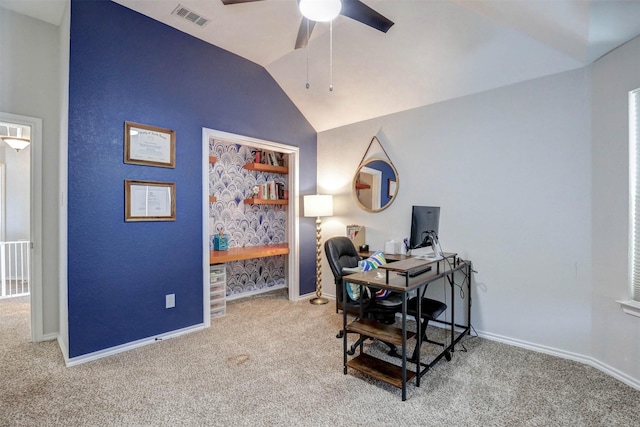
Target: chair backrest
{"points": [[340, 252]]}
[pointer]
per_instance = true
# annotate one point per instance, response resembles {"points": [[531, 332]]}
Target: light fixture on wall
{"points": [[321, 11], [16, 143], [318, 205]]}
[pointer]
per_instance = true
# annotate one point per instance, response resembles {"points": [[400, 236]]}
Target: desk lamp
{"points": [[318, 205]]}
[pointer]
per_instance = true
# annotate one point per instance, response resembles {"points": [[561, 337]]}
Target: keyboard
{"points": [[417, 272]]}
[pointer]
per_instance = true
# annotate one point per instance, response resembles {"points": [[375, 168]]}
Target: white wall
{"points": [[511, 171], [533, 184], [30, 86], [18, 193], [616, 336]]}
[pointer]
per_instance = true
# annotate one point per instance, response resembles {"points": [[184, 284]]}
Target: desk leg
{"points": [[419, 296], [404, 346], [453, 313], [469, 269], [344, 326]]}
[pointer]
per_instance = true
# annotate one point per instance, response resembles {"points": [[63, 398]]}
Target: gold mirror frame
{"points": [[375, 184]]}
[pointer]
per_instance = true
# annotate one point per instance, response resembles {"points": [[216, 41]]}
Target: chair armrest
{"points": [[350, 270]]}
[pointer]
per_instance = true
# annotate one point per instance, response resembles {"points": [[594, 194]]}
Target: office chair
{"points": [[430, 310], [341, 253]]}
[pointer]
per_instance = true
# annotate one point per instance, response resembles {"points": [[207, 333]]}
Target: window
{"points": [[634, 184]]}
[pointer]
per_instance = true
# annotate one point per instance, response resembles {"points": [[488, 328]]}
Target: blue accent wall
{"points": [[127, 67]]}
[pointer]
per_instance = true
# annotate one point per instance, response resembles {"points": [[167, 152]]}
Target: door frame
{"points": [[376, 186], [293, 227], [3, 196], [35, 266]]}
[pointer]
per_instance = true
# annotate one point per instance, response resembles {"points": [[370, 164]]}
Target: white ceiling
{"points": [[437, 49]]}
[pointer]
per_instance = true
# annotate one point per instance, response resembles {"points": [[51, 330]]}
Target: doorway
{"points": [[292, 226], [20, 223], [370, 197]]}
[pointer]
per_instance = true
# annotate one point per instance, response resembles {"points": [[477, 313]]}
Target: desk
{"points": [[405, 285]]}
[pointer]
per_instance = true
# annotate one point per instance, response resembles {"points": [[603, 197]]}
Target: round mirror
{"points": [[375, 185]]}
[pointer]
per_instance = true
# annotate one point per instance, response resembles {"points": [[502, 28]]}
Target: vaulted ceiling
{"points": [[437, 49]]}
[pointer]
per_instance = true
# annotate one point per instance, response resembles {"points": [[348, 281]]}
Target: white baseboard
{"points": [[128, 346], [256, 292], [63, 349], [587, 360], [50, 337]]}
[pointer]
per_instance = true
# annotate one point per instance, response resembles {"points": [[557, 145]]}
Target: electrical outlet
{"points": [[170, 300]]}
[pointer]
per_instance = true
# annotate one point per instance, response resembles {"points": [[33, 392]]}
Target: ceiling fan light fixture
{"points": [[16, 143], [320, 10]]}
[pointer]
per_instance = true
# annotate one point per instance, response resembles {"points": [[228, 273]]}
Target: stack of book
{"points": [[270, 190], [269, 158]]}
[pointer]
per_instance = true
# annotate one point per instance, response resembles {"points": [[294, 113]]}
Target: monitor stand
{"points": [[430, 253], [426, 253]]}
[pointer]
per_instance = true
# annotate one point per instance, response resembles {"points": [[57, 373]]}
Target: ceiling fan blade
{"points": [[359, 11], [302, 39], [226, 2]]}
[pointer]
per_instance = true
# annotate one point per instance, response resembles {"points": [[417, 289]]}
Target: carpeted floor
{"points": [[271, 362]]}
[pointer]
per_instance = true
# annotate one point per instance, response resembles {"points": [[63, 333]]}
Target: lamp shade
{"points": [[318, 205], [320, 10]]}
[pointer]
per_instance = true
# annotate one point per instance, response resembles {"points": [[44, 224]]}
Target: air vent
{"points": [[190, 16]]}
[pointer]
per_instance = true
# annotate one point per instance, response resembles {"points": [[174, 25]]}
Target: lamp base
{"points": [[318, 301]]}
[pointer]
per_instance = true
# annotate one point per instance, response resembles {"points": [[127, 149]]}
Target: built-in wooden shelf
{"points": [[248, 252], [266, 168], [213, 159], [360, 186], [254, 201], [212, 199]]}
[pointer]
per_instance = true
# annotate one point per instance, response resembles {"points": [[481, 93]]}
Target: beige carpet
{"points": [[271, 362]]}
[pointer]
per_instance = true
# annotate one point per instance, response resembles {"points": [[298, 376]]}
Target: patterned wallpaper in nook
{"points": [[246, 225]]}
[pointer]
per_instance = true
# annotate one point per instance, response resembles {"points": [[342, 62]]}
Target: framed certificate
{"points": [[149, 201], [149, 145]]}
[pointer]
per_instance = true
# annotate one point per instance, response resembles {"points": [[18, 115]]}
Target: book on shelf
{"points": [[273, 195], [269, 190], [267, 157], [280, 159], [280, 190]]}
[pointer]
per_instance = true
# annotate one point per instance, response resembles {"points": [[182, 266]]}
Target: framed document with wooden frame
{"points": [[149, 201], [149, 145]]}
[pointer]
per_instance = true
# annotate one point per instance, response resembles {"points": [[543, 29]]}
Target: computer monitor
{"points": [[424, 221]]}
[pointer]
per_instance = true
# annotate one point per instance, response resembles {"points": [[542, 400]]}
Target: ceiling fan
{"points": [[354, 9]]}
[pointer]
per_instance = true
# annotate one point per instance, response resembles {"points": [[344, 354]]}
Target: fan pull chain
{"points": [[331, 56], [308, 85]]}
